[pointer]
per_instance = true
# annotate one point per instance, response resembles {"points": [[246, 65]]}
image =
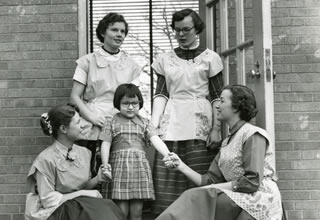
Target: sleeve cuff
{"points": [[80, 76], [160, 95], [235, 186]]}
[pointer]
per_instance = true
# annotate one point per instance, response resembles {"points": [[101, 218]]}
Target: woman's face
{"points": [[74, 129], [185, 32], [114, 36], [129, 107], [225, 110]]}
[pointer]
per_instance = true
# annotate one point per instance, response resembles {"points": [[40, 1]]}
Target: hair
{"points": [[243, 100], [199, 25], [59, 115], [107, 20], [129, 90]]}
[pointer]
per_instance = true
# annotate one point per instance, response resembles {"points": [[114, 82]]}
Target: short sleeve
{"points": [[82, 69], [106, 131], [157, 66], [215, 64]]}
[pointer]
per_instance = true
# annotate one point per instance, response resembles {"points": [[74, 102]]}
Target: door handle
{"points": [[255, 73]]}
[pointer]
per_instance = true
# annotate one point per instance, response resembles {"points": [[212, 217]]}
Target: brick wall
{"points": [[296, 49], [38, 47]]}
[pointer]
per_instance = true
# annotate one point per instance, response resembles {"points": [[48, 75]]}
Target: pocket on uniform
{"points": [[203, 126]]}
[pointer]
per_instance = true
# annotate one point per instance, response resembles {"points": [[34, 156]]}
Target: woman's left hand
{"points": [[104, 173], [214, 139]]}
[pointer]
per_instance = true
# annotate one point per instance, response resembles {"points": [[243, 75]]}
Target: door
{"points": [[241, 31]]}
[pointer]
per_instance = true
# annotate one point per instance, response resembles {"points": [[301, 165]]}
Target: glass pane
{"points": [[249, 65], [248, 24], [232, 23]]}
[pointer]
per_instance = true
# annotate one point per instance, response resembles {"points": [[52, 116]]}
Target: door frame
{"points": [[262, 44]]}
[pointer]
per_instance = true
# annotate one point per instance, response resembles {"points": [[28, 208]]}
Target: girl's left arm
{"points": [[159, 145]]}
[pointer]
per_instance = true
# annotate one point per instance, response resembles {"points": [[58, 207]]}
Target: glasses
{"points": [[183, 30], [127, 104]]}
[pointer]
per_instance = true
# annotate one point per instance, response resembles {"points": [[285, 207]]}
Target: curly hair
{"points": [[199, 25], [243, 100], [107, 20], [59, 115]]}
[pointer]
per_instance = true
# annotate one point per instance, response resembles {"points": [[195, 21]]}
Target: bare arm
{"points": [[159, 104], [76, 98], [105, 152], [160, 146]]}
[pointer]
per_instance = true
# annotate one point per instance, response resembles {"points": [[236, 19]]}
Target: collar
{"points": [[106, 54], [236, 127], [137, 119], [61, 148]]}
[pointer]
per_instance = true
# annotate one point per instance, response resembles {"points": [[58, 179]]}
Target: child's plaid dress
{"points": [[131, 172]]}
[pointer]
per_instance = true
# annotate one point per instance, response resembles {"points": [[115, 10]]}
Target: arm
{"points": [[253, 163], [160, 146], [215, 89], [75, 98], [49, 197], [160, 100], [105, 152]]}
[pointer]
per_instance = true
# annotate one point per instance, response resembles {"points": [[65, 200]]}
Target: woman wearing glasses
{"points": [[189, 84], [97, 76]]}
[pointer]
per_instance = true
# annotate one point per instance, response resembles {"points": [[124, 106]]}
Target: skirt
{"points": [[203, 204], [131, 176], [170, 184], [87, 208]]}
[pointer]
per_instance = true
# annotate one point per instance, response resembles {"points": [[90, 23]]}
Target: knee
{"points": [[224, 201]]}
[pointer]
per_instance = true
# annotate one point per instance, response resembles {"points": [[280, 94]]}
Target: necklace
{"points": [[109, 52]]}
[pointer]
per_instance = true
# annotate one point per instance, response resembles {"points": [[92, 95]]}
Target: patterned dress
{"points": [[189, 80], [247, 161], [131, 172]]}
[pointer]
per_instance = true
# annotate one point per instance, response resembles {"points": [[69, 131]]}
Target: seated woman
{"points": [[59, 178], [241, 179]]}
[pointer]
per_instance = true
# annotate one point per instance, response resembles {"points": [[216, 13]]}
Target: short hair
{"points": [[129, 90], [243, 100], [59, 115], [199, 25], [107, 20]]}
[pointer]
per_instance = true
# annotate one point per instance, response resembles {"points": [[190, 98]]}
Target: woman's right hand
{"points": [[91, 193]]}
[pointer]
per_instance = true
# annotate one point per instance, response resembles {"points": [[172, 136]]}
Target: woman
{"points": [[59, 178], [241, 179], [98, 75], [187, 77]]}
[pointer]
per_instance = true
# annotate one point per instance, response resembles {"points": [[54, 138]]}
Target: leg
{"points": [[226, 208], [136, 206], [124, 206]]}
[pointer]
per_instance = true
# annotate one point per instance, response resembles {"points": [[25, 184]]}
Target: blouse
{"points": [[52, 174]]}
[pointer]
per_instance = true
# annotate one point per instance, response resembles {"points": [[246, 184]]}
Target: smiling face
{"points": [[129, 107], [225, 109], [114, 36], [74, 129], [188, 39]]}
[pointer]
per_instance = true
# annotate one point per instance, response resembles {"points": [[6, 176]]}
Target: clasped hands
{"points": [[104, 173], [172, 160]]}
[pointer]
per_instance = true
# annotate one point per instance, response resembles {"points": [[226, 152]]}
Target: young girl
{"points": [[125, 138], [61, 187]]}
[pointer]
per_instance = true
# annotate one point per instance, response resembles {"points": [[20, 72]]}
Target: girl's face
{"points": [[129, 107], [185, 32], [74, 129], [114, 36], [225, 110]]}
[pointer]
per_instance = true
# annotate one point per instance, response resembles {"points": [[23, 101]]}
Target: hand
{"points": [[214, 139], [172, 160], [91, 193], [105, 172], [98, 120]]}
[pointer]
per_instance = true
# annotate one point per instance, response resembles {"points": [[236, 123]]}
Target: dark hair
{"points": [[243, 101], [57, 116], [107, 20], [199, 25], [130, 90]]}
